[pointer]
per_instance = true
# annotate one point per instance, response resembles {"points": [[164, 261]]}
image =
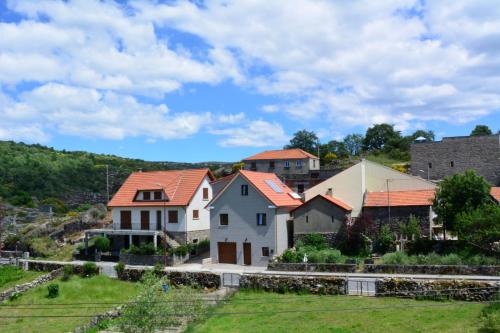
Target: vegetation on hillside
{"points": [[46, 173]]}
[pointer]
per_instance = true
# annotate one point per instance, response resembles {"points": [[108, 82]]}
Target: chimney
{"points": [[329, 192]]}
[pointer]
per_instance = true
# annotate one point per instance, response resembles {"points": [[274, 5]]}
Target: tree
{"points": [[102, 243], [385, 240], [428, 135], [480, 227], [237, 166], [378, 135], [460, 193], [338, 148], [329, 158], [481, 130], [305, 140], [353, 143]]}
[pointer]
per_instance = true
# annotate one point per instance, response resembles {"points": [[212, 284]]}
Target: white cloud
{"points": [[257, 133], [231, 119]]}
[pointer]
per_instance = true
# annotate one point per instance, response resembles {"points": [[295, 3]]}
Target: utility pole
{"points": [[107, 181], [388, 201]]}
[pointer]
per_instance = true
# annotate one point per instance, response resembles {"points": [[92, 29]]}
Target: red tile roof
{"points": [[338, 202], [179, 185], [399, 198], [281, 199], [495, 193], [280, 155]]}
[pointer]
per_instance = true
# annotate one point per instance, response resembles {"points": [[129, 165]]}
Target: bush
{"points": [[395, 258], [90, 269], [158, 270], [490, 316], [67, 272], [385, 240], [289, 256], [181, 250], [317, 241], [120, 268], [53, 290], [451, 259], [102, 243], [58, 206]]}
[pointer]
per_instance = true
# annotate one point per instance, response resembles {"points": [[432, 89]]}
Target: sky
{"points": [[221, 80]]}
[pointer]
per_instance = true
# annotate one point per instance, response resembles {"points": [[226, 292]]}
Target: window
{"points": [[196, 214], [173, 216], [300, 188], [125, 219], [195, 240], [271, 165], [144, 219], [146, 195], [298, 164], [307, 218], [452, 164], [287, 164], [253, 166], [158, 220], [224, 219], [157, 195], [314, 163], [265, 251], [430, 165], [205, 193], [333, 219], [244, 189], [261, 219]]}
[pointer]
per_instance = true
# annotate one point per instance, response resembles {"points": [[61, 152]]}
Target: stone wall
{"points": [[151, 260], [177, 278], [453, 289], [480, 153], [42, 266], [311, 267], [332, 238], [380, 216], [183, 237], [21, 288], [433, 269], [279, 283], [111, 314]]}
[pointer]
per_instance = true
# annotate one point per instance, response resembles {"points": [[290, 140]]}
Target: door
{"points": [[144, 219], [227, 252], [247, 253], [125, 219]]}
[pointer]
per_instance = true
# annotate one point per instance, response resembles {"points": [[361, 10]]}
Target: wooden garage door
{"points": [[227, 252]]}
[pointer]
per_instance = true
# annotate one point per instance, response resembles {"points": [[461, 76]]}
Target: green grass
{"points": [[11, 276], [344, 314], [98, 289], [384, 159]]}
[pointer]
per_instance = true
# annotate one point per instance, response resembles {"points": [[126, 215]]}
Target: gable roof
{"points": [[495, 193], [180, 187], [280, 155], [335, 201], [399, 198]]}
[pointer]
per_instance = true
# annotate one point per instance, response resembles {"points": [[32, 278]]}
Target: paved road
{"points": [[227, 268]]}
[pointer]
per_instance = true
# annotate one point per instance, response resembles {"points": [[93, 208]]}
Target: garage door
{"points": [[227, 252]]}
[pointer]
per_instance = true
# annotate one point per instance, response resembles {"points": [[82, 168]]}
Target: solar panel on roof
{"points": [[272, 185], [294, 195]]}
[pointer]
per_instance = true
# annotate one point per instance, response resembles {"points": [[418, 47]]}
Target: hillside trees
{"points": [[481, 130], [305, 140]]}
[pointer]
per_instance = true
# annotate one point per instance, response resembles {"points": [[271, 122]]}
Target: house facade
{"points": [[359, 185], [438, 159], [249, 219], [149, 204], [322, 214]]}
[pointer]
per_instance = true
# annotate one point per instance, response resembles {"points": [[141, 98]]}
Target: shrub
{"points": [[395, 258], [158, 269], [90, 269], [53, 290], [334, 257], [57, 205], [181, 250], [490, 316], [15, 296], [67, 272], [102, 243], [120, 269], [289, 256], [385, 240], [317, 241], [72, 214], [451, 259]]}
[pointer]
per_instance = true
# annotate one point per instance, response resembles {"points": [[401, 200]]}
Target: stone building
{"points": [[437, 159]]}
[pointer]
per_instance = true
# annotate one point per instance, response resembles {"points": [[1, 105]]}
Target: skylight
{"points": [[294, 195], [273, 185]]}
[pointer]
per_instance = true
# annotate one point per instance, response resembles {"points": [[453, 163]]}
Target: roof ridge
{"points": [[177, 185]]}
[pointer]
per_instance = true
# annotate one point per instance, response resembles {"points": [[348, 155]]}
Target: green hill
{"points": [[75, 177]]}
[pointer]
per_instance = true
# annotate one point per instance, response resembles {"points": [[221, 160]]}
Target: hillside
{"points": [[74, 177]]}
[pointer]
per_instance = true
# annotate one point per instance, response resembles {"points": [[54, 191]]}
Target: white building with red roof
{"points": [[283, 162], [250, 219]]}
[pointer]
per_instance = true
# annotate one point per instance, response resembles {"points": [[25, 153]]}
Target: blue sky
{"points": [[180, 81]]}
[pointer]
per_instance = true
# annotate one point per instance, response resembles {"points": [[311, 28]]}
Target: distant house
{"points": [[322, 214], [387, 195], [495, 194], [296, 167], [438, 159], [151, 203], [249, 219]]}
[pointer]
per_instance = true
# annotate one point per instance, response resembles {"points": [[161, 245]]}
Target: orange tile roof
{"points": [[282, 199], [399, 198], [337, 202], [495, 193], [282, 154], [179, 185]]}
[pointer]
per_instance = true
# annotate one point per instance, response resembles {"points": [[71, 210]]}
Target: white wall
{"points": [[136, 217], [198, 203]]}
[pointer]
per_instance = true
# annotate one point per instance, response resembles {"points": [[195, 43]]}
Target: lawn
{"points": [[11, 276], [72, 293], [256, 312]]}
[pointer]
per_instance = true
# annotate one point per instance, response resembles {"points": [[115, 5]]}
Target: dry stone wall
{"points": [[311, 284], [21, 288]]}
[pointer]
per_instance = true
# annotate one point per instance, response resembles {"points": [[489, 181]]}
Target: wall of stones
{"points": [[200, 279], [21, 288], [433, 269], [380, 216], [311, 267], [151, 260], [480, 153], [278, 283], [453, 289]]}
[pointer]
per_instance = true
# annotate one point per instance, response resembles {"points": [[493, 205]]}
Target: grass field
{"points": [[257, 312], [97, 289], [11, 276]]}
